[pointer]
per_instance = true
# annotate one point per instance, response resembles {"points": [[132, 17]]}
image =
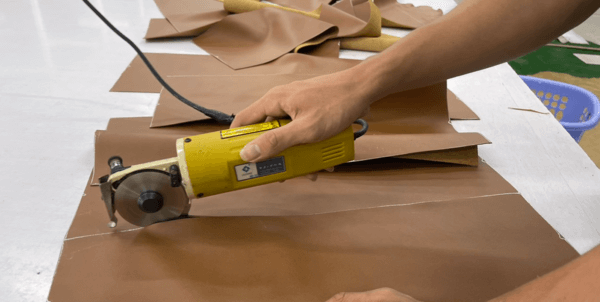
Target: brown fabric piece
{"points": [[460, 156], [352, 186], [421, 110], [137, 78], [459, 110], [402, 123], [305, 5], [329, 48], [187, 15], [394, 14], [353, 18], [462, 250], [260, 36], [161, 28]]}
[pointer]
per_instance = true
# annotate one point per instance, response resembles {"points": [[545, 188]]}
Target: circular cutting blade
{"points": [[175, 201]]}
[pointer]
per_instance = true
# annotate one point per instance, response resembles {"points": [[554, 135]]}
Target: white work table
{"points": [[58, 62]]}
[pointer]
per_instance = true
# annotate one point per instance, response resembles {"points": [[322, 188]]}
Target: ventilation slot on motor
{"points": [[333, 152]]}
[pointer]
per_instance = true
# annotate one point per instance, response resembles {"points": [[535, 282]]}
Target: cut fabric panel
{"points": [[353, 18], [329, 48], [460, 156], [261, 36], [394, 14], [162, 28], [137, 78], [187, 18], [186, 15], [466, 249], [347, 188], [458, 110]]}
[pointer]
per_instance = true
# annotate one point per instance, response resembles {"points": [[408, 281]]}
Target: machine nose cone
{"points": [[150, 201]]}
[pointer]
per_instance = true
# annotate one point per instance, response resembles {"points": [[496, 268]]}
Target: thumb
{"points": [[273, 142]]}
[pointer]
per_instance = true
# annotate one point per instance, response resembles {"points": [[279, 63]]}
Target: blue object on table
{"points": [[577, 109]]}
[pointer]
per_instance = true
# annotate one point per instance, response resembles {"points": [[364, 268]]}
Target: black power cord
{"points": [[214, 114], [219, 116], [363, 130]]}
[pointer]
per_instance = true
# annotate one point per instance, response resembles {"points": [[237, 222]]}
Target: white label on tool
{"points": [[260, 169]]}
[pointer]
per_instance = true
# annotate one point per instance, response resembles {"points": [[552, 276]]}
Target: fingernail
{"points": [[250, 152]]}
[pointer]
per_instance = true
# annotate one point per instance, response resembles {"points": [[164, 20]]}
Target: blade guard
{"points": [[109, 183]]}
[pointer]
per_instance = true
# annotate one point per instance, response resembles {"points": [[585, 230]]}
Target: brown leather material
{"points": [[353, 18], [329, 48], [469, 249], [187, 15], [185, 18], [161, 29], [211, 91], [137, 78], [394, 14], [305, 5], [261, 36], [459, 110], [460, 156], [351, 186]]}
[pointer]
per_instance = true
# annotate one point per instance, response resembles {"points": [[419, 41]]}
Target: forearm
{"points": [[475, 35], [576, 281]]}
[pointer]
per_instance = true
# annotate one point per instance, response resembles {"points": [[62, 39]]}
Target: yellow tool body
{"points": [[210, 164], [214, 164]]}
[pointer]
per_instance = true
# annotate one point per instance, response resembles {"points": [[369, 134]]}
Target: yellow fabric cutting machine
{"points": [[206, 165]]}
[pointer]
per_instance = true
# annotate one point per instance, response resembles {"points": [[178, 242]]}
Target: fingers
{"points": [[273, 142], [257, 112]]}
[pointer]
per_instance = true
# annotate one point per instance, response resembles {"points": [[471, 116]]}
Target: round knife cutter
{"points": [[148, 197]]}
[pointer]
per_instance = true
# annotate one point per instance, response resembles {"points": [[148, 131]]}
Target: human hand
{"points": [[320, 108], [377, 295]]}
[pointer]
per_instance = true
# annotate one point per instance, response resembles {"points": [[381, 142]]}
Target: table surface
{"points": [[58, 62]]}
